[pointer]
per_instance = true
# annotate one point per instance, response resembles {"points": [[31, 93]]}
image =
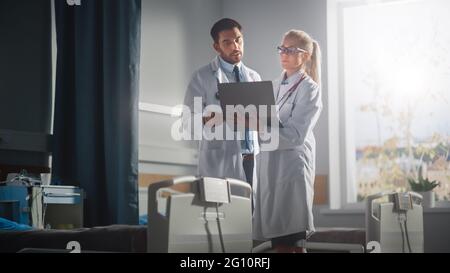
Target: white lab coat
{"points": [[285, 188], [216, 158]]}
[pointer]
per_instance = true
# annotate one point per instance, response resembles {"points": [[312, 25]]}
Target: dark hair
{"points": [[223, 24]]}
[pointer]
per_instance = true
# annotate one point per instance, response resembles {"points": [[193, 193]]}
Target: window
{"points": [[394, 77]]}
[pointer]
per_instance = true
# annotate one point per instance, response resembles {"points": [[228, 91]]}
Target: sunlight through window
{"points": [[397, 87]]}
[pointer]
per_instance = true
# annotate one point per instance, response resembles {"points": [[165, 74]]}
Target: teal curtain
{"points": [[96, 106]]}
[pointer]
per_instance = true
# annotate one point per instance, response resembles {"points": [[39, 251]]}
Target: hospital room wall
{"points": [[25, 83], [175, 42]]}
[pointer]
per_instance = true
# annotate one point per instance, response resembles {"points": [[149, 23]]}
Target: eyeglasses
{"points": [[289, 50]]}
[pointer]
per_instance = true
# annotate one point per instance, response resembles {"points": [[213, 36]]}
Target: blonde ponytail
{"points": [[312, 66], [314, 69]]}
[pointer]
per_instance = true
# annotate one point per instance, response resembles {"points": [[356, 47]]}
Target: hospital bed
{"points": [[199, 214], [395, 222]]}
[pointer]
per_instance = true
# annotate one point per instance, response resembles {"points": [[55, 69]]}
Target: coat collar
{"points": [[291, 81], [220, 75]]}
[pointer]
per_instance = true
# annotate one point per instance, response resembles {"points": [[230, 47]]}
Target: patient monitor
{"points": [[395, 221], [199, 214]]}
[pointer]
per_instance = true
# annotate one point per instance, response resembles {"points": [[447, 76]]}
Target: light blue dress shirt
{"points": [[227, 68]]}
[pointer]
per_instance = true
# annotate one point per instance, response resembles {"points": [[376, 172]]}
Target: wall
{"points": [[175, 42], [25, 82]]}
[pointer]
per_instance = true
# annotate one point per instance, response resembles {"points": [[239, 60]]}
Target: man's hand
{"points": [[208, 117], [213, 119]]}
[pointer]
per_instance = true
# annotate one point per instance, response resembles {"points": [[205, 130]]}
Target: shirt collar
{"points": [[227, 66]]}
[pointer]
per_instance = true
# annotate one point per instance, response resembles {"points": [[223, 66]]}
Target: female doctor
{"points": [[284, 193]]}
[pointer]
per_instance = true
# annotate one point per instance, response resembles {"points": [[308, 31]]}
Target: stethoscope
{"points": [[288, 93]]}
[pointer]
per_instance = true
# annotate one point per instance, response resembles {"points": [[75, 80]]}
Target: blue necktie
{"points": [[236, 73], [247, 140]]}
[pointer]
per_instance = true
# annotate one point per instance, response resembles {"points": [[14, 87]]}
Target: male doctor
{"points": [[222, 158]]}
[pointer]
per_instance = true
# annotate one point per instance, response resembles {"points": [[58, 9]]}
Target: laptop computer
{"points": [[247, 93]]}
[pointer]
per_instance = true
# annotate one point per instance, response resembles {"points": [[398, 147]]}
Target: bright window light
{"points": [[397, 92]]}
